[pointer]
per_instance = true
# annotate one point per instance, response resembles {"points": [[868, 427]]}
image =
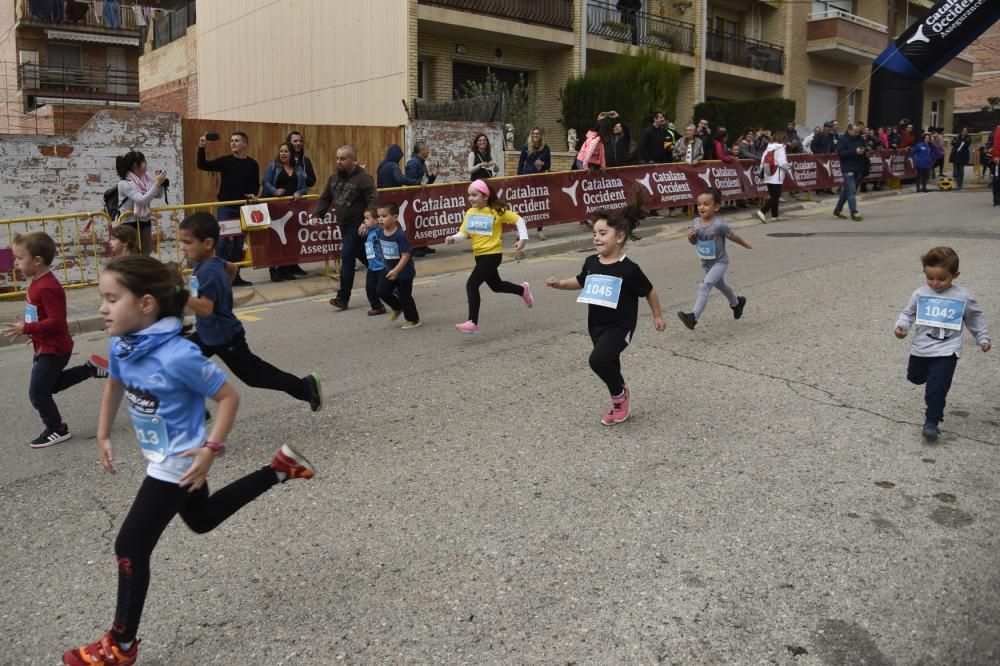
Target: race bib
{"points": [[30, 313], [369, 250], [151, 433], [940, 312], [479, 225], [602, 290], [390, 249], [193, 286], [706, 248]]}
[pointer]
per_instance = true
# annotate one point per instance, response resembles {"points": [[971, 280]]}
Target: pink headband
{"points": [[481, 186]]}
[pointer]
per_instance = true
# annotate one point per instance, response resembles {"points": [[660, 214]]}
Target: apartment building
{"points": [[315, 61], [62, 61]]}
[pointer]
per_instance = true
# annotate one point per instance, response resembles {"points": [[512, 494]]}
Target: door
{"points": [[117, 71], [821, 103]]}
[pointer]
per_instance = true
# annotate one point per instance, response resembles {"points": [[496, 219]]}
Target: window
{"points": [[822, 6], [421, 79], [936, 109], [63, 55]]}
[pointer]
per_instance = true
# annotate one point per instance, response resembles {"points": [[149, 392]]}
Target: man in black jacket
{"points": [[851, 150], [960, 155], [299, 157], [656, 144], [239, 179], [351, 190]]}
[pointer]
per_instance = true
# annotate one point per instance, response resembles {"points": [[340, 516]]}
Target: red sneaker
{"points": [[105, 652], [619, 410], [292, 463]]}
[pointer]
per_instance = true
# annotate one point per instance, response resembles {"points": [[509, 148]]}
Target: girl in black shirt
{"points": [[612, 285]]}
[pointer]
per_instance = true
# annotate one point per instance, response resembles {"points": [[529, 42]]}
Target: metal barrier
{"points": [[82, 242]]}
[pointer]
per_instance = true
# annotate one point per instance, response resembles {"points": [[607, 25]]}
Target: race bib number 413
{"points": [[940, 312], [602, 290]]}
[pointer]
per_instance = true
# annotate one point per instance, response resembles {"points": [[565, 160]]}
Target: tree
{"points": [[518, 108], [994, 102]]}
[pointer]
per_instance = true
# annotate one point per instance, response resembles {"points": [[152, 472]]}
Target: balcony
{"points": [[639, 28], [845, 37], [956, 73], [85, 16], [173, 25], [744, 52], [58, 84], [550, 13]]}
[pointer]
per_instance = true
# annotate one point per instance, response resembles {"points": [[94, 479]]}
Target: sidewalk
{"points": [[82, 304]]}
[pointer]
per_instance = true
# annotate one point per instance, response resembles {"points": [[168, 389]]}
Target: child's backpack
{"points": [[768, 163], [111, 203]]}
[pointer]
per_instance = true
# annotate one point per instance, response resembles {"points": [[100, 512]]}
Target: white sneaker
{"points": [[761, 217]]}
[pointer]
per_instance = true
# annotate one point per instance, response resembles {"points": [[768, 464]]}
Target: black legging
{"points": [[404, 301], [154, 507], [922, 176], [486, 271], [605, 360], [774, 194]]}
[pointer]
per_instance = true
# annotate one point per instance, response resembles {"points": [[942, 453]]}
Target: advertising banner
{"points": [[430, 213]]}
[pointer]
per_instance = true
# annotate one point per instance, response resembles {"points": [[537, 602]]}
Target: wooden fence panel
{"points": [[322, 142]]}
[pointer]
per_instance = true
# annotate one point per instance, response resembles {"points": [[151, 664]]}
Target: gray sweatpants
{"points": [[715, 276]]}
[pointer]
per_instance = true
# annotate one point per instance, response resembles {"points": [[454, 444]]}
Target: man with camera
{"points": [[239, 179]]}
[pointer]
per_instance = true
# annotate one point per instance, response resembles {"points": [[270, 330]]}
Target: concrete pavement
{"points": [[769, 501]]}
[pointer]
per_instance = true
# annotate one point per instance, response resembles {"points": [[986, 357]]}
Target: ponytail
{"points": [[127, 162], [493, 200], [625, 221]]}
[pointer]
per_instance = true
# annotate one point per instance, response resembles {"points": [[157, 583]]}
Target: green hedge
{"points": [[633, 86], [771, 113]]}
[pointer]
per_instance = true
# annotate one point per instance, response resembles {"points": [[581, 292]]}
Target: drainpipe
{"points": [[704, 49], [583, 37]]}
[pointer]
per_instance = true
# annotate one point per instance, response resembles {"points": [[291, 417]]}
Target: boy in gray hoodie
{"points": [[940, 309]]}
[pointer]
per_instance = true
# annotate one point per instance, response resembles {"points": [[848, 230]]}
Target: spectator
{"points": [[481, 165], [836, 136], [851, 151], [300, 158], [808, 141], [707, 142], [883, 138], [136, 190], [416, 166], [656, 143], [774, 166], [535, 158], [792, 137], [283, 178], [629, 10], [747, 150], [960, 155], [239, 179], [909, 136], [689, 148], [592, 154], [895, 138], [619, 148], [993, 149], [389, 174], [720, 147], [923, 159], [872, 144], [762, 138], [416, 169], [937, 148], [352, 191]]}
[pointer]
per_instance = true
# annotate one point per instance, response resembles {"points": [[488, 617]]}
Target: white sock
{"points": [[281, 476]]}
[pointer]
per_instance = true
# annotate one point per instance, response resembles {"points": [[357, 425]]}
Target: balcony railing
{"points": [[551, 13], [604, 19], [174, 24], [847, 16], [744, 52], [117, 17], [82, 83]]}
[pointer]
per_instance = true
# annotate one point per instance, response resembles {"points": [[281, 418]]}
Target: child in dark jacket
{"points": [[389, 174]]}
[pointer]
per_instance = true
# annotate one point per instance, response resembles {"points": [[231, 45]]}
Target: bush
{"points": [[517, 108], [771, 113], [633, 86]]}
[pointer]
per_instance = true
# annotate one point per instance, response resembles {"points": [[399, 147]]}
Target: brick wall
{"points": [[53, 175], [985, 51], [450, 143]]}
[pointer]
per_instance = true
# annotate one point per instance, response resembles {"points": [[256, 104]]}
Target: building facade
{"points": [[314, 61], [63, 61]]}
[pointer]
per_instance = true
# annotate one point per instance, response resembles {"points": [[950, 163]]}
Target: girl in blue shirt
{"points": [[165, 380]]}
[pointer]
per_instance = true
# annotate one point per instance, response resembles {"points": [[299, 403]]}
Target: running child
{"points": [[395, 285], [45, 324], [369, 232], [165, 380], [708, 234], [484, 223], [217, 330], [940, 309], [124, 240], [612, 285]]}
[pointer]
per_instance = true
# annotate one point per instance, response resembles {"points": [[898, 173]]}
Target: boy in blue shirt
{"points": [[395, 286], [217, 330], [373, 253]]}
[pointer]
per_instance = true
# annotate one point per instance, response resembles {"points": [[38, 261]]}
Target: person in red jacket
{"points": [[45, 325]]}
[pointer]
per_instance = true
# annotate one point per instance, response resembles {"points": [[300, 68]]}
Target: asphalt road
{"points": [[769, 501]]}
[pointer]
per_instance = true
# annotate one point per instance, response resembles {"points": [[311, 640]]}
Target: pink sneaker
{"points": [[529, 300], [619, 410], [467, 327]]}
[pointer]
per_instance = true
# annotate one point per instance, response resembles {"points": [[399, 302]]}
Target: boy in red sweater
{"points": [[45, 324]]}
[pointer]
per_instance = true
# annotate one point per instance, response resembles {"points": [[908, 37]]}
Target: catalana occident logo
{"points": [[804, 172], [434, 216], [897, 165], [317, 236], [667, 186], [602, 194], [531, 202], [726, 179]]}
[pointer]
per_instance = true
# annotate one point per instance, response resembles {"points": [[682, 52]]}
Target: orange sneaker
{"points": [[105, 652], [292, 463]]}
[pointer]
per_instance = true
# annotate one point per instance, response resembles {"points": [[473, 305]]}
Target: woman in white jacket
{"points": [[136, 190], [774, 167]]}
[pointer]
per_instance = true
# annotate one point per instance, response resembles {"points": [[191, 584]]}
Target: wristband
{"points": [[215, 447]]}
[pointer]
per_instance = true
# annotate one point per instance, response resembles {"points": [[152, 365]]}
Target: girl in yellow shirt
{"points": [[483, 223]]}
